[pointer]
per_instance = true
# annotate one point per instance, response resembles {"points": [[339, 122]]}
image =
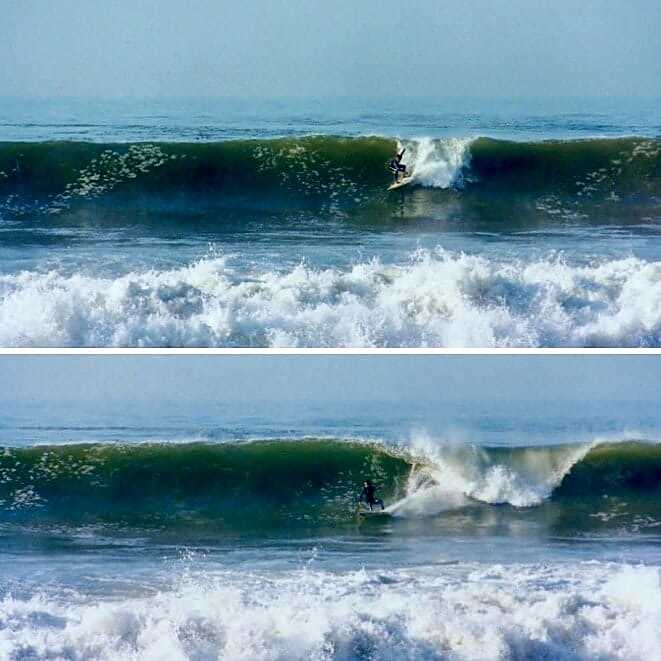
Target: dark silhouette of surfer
{"points": [[368, 494], [397, 167]]}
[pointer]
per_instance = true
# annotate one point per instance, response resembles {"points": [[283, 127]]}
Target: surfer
{"points": [[396, 166], [368, 494]]}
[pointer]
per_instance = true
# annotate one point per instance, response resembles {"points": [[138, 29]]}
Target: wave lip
{"points": [[453, 476], [438, 298]]}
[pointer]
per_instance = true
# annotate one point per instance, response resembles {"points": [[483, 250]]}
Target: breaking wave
{"points": [[53, 176], [315, 481]]}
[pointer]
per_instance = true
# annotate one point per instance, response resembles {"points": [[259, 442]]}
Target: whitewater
{"points": [[436, 298], [584, 610]]}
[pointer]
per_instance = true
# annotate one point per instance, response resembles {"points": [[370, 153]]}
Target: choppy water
{"points": [[268, 224]]}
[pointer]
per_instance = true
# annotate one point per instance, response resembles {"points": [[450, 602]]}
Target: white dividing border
{"points": [[429, 351]]}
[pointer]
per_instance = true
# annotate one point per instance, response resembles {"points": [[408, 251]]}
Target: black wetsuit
{"points": [[369, 495], [396, 166]]}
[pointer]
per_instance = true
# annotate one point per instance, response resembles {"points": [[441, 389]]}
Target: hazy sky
{"points": [[329, 378], [492, 48]]}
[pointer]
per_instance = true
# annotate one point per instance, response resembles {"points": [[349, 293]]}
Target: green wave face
{"points": [[237, 485], [328, 172], [264, 485], [581, 167], [60, 174], [615, 469]]}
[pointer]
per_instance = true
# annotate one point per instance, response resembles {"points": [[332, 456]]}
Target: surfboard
{"points": [[400, 183], [373, 514]]}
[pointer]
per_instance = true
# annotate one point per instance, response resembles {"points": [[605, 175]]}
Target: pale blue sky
{"points": [[478, 48], [330, 378]]}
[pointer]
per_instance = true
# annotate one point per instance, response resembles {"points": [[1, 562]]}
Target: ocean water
{"points": [[203, 530], [267, 223]]}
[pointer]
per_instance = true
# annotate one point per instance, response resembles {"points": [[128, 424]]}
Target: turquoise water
{"points": [[237, 223]]}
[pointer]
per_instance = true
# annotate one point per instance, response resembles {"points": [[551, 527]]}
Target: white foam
{"points": [[450, 475], [437, 163], [437, 298], [560, 611]]}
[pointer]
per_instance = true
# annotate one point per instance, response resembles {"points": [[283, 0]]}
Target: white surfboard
{"points": [[400, 183]]}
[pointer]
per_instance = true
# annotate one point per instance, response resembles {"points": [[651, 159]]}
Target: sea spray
{"points": [[437, 163], [450, 475]]}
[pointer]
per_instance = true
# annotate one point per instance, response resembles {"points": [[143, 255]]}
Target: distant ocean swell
{"points": [[437, 298], [316, 481], [51, 177]]}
